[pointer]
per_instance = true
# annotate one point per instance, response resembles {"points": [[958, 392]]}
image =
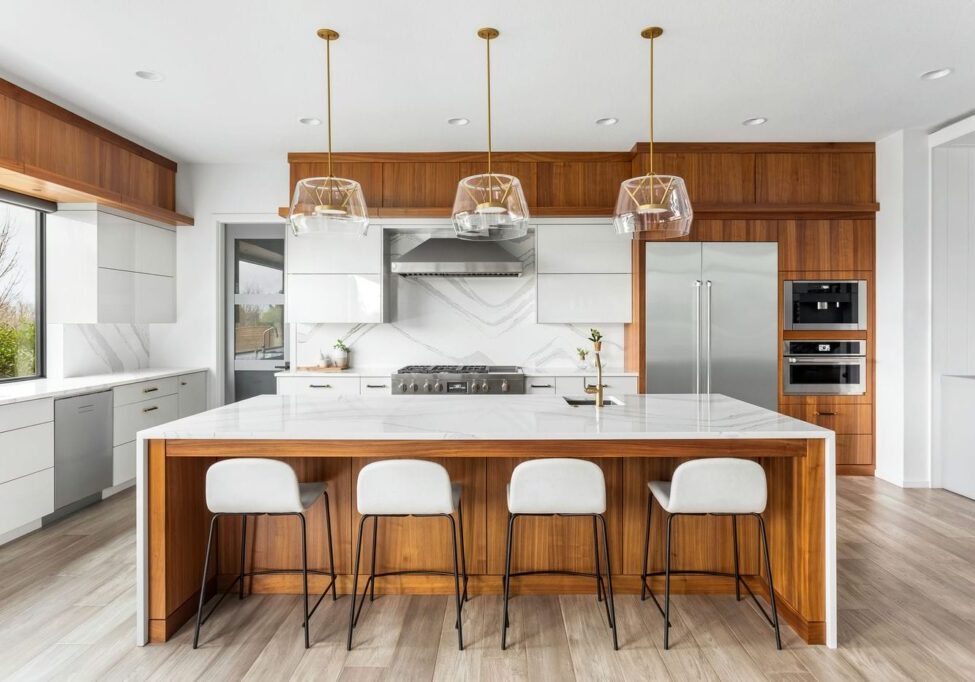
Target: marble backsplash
{"points": [[85, 349], [454, 320]]}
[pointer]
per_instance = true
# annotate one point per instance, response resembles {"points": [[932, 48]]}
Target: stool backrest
{"points": [[252, 485], [557, 486], [404, 486], [719, 485]]}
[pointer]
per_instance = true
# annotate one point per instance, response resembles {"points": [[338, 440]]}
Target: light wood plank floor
{"points": [[907, 611]]}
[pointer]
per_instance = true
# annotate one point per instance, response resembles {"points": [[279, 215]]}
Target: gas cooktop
{"points": [[458, 379]]}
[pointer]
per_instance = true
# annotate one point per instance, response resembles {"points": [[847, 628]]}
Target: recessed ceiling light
{"points": [[149, 76], [761, 120], [936, 74], [607, 121], [310, 121], [458, 121]]}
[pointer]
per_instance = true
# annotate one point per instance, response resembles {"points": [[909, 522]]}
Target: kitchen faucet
{"points": [[596, 390]]}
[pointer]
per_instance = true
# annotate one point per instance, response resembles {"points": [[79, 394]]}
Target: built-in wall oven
{"points": [[825, 367], [825, 304]]}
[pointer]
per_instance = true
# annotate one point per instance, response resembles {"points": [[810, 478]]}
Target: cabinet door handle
{"points": [[376, 386], [150, 409], [182, 383], [150, 390], [825, 414], [319, 385], [541, 385]]}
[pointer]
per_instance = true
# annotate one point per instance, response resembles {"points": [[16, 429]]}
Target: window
{"points": [[21, 298]]}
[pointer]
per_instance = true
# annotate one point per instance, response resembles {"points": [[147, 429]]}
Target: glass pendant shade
{"points": [[490, 207], [655, 204], [329, 205]]}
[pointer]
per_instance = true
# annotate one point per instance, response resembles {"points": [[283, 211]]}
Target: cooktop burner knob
{"points": [[438, 387], [504, 386], [427, 387], [414, 388], [402, 387], [484, 387]]}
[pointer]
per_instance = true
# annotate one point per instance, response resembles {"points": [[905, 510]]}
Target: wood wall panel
{"points": [[824, 245], [369, 175], [733, 231], [579, 184], [801, 178], [59, 148], [420, 185], [719, 178], [9, 132]]}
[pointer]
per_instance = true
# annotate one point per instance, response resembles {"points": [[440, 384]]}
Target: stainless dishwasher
{"points": [[82, 448]]}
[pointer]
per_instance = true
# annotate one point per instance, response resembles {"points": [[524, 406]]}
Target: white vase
{"points": [[340, 358]]}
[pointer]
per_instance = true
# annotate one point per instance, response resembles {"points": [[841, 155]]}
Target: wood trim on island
{"points": [[796, 517]]}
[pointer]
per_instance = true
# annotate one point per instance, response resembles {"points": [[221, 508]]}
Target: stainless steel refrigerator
{"points": [[712, 319]]}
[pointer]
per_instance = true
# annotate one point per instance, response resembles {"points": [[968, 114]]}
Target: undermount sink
{"points": [[576, 402]]}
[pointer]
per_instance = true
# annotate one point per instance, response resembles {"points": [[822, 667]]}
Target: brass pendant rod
{"points": [[328, 88], [488, 41], [651, 105]]}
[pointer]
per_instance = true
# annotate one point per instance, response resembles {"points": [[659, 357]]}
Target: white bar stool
{"points": [[407, 487], [559, 487], [257, 486], [715, 486]]}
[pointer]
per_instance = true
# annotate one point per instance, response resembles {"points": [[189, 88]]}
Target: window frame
{"points": [[40, 280]]}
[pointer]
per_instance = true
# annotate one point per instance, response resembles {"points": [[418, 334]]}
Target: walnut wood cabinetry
{"points": [[48, 152]]}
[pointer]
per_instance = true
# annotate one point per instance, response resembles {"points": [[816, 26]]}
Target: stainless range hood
{"points": [[451, 257]]}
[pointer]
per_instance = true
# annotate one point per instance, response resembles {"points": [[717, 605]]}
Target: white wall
{"points": [[903, 315], [214, 194]]}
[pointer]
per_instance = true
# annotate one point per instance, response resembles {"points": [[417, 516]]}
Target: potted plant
{"points": [[583, 357], [341, 355], [597, 340]]}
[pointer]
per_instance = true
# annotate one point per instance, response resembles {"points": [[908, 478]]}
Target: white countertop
{"points": [[490, 417], [33, 389], [388, 371]]}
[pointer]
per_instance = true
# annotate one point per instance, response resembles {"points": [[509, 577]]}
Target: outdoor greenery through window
{"points": [[20, 292]]}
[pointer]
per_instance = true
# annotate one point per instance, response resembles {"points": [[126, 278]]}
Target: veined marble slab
{"points": [[489, 417]]}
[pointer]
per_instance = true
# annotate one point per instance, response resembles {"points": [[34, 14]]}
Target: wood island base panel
{"points": [[480, 440]]}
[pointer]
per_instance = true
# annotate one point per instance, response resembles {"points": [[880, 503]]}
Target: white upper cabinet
{"points": [[584, 274], [336, 254], [575, 249], [334, 277], [102, 267]]}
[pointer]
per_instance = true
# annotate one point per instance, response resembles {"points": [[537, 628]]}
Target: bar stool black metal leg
{"points": [[304, 573], [507, 580], [453, 544], [609, 583], [646, 550], [203, 582], [243, 553], [670, 523], [771, 587], [355, 581], [463, 551], [331, 555], [595, 556], [372, 569], [734, 539]]}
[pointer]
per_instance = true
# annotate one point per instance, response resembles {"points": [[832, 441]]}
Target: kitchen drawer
{"points": [[375, 385], [854, 449], [540, 385], [132, 418], [611, 385], [25, 451], [192, 393], [144, 390], [28, 413], [325, 385], [123, 463], [26, 499], [854, 419]]}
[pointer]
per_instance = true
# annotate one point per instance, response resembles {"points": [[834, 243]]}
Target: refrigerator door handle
{"points": [[707, 352], [697, 337]]}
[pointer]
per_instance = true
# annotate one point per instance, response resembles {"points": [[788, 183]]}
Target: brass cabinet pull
{"points": [[150, 409], [319, 385], [150, 390]]}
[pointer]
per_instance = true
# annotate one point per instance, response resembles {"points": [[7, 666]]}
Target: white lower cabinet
{"points": [[26, 499], [192, 394], [612, 385], [334, 298], [540, 385], [26, 462], [324, 385], [139, 406], [123, 463], [375, 385], [584, 298], [130, 419]]}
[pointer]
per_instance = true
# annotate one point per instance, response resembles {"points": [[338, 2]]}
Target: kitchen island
{"points": [[480, 439]]}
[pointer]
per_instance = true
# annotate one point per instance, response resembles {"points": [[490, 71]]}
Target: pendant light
{"points": [[492, 206], [655, 204], [328, 204]]}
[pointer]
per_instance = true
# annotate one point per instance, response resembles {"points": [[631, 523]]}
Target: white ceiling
{"points": [[239, 73]]}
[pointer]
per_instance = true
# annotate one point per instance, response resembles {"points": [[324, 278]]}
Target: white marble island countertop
{"points": [[488, 417]]}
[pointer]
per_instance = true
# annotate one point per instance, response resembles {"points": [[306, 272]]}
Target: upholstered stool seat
{"points": [[251, 486], [717, 486], [559, 487], [407, 487]]}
